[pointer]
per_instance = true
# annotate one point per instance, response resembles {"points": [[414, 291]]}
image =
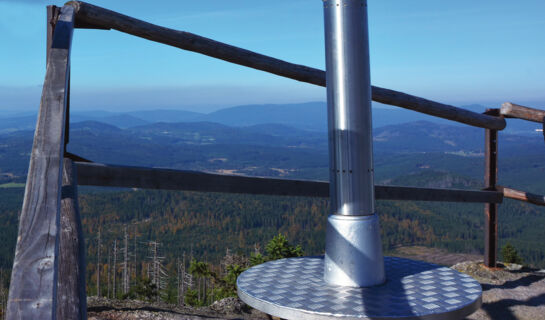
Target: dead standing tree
{"points": [[126, 263], [114, 271], [157, 271], [98, 264], [108, 274]]}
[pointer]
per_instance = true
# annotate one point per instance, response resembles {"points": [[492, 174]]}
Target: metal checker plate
{"points": [[294, 289]]}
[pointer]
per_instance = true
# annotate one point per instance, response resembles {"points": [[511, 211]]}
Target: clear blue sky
{"points": [[459, 52]]}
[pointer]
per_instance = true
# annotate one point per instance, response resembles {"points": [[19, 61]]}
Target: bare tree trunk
{"points": [[183, 279], [108, 274], [114, 269], [98, 264], [126, 263], [135, 257], [178, 279], [155, 269]]}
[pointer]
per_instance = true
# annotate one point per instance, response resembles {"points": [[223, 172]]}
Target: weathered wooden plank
{"points": [[52, 16], [522, 196], [436, 109], [512, 110], [90, 14], [71, 295], [433, 194], [167, 179], [33, 287], [152, 178]]}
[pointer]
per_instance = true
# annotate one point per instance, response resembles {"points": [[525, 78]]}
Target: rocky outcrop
{"points": [[509, 291]]}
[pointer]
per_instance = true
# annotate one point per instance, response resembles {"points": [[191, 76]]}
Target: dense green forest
{"points": [[204, 226], [209, 238]]}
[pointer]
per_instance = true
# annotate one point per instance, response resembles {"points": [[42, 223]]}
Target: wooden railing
{"points": [[48, 279]]}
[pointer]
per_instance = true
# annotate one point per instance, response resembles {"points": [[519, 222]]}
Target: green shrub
{"points": [[279, 248], [510, 254]]}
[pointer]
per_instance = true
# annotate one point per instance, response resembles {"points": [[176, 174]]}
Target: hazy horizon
{"points": [[25, 100]]}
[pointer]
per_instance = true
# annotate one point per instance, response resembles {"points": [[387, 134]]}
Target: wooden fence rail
{"points": [[152, 178], [536, 199], [90, 15], [512, 110]]}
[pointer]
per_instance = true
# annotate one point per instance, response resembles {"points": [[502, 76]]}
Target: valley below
{"points": [[207, 227]]}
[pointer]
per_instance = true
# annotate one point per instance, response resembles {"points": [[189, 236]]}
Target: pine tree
{"points": [[279, 248], [510, 254]]}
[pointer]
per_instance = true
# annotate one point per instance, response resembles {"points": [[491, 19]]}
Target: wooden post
{"points": [[33, 288], [71, 296], [490, 181], [52, 17], [67, 116]]}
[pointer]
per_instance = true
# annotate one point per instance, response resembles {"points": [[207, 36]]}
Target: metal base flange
{"points": [[295, 289]]}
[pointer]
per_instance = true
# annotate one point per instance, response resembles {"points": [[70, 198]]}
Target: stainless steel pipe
{"points": [[353, 246]]}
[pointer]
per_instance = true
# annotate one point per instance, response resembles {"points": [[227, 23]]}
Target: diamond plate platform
{"points": [[294, 289]]}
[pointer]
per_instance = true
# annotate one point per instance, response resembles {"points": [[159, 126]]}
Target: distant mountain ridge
{"points": [[280, 150], [311, 116]]}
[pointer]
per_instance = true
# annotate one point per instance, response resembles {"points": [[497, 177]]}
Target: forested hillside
{"points": [[206, 226]]}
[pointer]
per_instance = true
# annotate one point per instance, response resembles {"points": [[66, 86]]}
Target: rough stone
{"points": [[507, 294]]}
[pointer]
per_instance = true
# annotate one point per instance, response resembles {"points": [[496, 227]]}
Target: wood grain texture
{"points": [[33, 287], [95, 174], [100, 17], [166, 179], [71, 295], [536, 199], [52, 16], [512, 110]]}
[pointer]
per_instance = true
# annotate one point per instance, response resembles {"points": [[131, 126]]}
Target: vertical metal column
{"points": [[353, 247], [490, 180]]}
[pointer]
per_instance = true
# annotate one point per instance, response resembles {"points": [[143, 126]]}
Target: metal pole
{"points": [[353, 246]]}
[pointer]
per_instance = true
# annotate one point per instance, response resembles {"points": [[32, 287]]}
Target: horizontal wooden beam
{"points": [[85, 25], [434, 194], [522, 196], [512, 110], [152, 178], [100, 17]]}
